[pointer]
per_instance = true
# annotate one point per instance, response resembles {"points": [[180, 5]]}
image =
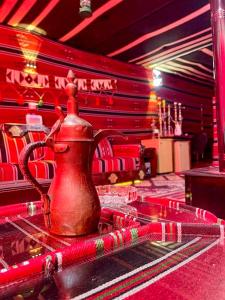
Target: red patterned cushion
{"points": [[39, 169], [42, 168], [105, 149], [45, 153], [128, 150], [10, 172], [96, 153], [49, 154], [97, 166], [11, 147], [115, 164]]}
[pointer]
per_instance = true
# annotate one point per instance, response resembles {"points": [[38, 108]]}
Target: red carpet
{"points": [[175, 252]]}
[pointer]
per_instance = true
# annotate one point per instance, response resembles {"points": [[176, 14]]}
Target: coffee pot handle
{"points": [[23, 164]]}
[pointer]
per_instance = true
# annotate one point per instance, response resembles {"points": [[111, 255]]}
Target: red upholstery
{"points": [[115, 164], [12, 146], [42, 168], [9, 172], [107, 158], [41, 153], [128, 150], [116, 158], [41, 162], [105, 149], [39, 169]]}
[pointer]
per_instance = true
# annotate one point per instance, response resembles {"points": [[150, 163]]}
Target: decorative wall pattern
{"points": [[112, 94], [25, 79]]}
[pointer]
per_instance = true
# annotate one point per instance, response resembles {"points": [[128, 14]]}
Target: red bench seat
{"points": [[108, 158]]}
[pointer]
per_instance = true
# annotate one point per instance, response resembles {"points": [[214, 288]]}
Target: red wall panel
{"points": [[129, 108]]}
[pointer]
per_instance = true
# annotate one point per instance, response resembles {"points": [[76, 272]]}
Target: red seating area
{"points": [[111, 163], [114, 163], [41, 162]]}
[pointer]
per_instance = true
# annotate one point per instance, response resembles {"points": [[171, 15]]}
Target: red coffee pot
{"points": [[71, 206]]}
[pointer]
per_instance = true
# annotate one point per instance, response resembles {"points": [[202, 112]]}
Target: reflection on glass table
{"points": [[118, 197]]}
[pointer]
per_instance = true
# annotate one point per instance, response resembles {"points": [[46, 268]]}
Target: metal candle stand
{"points": [[165, 119]]}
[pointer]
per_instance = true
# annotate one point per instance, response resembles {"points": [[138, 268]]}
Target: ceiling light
{"points": [[85, 8], [157, 78]]}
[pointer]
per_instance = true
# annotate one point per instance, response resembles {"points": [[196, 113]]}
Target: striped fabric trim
{"points": [[65, 64], [24, 8], [207, 51], [163, 231], [3, 152], [42, 169], [115, 164], [181, 68], [49, 7], [175, 256], [201, 66], [105, 149], [97, 152], [178, 49], [187, 257], [150, 35], [148, 54], [12, 146], [164, 69], [38, 153], [6, 8], [97, 13], [125, 158], [9, 171], [192, 70], [39, 169], [179, 232]]}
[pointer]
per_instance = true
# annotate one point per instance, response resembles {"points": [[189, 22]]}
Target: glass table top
{"points": [[179, 238]]}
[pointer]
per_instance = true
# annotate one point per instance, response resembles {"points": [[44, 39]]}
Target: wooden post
{"points": [[218, 28]]}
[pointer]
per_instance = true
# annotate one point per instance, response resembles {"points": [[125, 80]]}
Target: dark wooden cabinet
{"points": [[150, 157], [205, 188]]}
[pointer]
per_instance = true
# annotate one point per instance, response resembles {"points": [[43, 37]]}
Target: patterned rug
{"points": [[171, 186]]}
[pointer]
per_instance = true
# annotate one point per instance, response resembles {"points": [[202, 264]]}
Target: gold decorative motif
{"points": [[99, 243], [113, 178], [35, 251], [115, 244], [16, 131], [188, 195], [134, 234], [141, 174]]}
